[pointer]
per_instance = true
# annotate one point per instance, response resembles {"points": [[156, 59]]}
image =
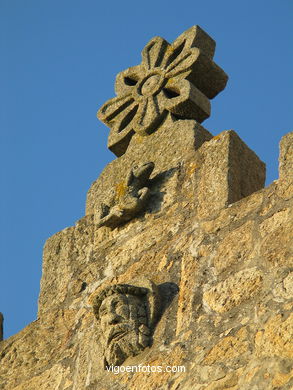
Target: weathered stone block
{"points": [[286, 157], [274, 222], [275, 339], [236, 247], [234, 290], [229, 172], [169, 146], [284, 289], [1, 326], [276, 247], [229, 348], [56, 257]]}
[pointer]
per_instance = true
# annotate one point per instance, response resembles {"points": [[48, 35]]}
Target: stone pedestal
{"points": [[228, 171]]}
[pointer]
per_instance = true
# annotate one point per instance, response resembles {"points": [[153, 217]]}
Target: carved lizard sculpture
{"points": [[132, 201]]}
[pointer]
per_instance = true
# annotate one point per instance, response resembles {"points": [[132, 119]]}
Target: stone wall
{"points": [[215, 243], [182, 259]]}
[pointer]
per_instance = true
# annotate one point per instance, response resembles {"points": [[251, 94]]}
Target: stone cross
{"points": [[173, 80]]}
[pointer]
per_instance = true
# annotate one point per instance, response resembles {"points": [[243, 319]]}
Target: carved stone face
{"points": [[123, 321]]}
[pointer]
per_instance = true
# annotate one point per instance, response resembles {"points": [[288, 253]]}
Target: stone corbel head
{"points": [[127, 314]]}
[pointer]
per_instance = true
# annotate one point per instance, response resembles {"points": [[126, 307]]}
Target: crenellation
{"points": [[286, 157], [1, 326], [229, 171]]}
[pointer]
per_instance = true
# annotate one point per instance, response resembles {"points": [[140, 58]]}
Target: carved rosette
{"points": [[178, 79]]}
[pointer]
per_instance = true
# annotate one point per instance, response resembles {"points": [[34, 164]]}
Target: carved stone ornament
{"points": [[177, 80], [127, 315], [131, 198]]}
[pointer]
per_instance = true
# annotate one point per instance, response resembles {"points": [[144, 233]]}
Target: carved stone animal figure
{"points": [[133, 200]]}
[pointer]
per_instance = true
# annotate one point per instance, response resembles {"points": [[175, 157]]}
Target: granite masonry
{"points": [[179, 276]]}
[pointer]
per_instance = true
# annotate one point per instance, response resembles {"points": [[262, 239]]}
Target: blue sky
{"points": [[58, 63]]}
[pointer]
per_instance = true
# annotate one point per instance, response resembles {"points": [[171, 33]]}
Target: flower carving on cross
{"points": [[176, 80]]}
